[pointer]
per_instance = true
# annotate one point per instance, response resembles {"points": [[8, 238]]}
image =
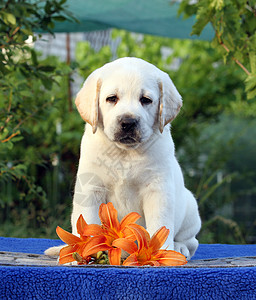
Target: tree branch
{"points": [[10, 137], [227, 49]]}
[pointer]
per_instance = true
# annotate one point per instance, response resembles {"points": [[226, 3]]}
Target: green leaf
{"points": [[25, 93], [27, 31], [59, 18], [4, 134], [48, 7], [250, 86], [47, 83], [252, 58], [203, 18], [9, 18], [21, 167], [17, 138], [9, 145], [34, 57], [217, 4]]}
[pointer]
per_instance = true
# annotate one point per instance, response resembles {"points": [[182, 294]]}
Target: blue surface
{"points": [[127, 283], [36, 246]]}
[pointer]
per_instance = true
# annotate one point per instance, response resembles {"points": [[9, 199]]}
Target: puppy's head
{"points": [[129, 99]]}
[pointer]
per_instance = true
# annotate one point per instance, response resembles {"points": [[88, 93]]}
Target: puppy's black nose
{"points": [[128, 123]]}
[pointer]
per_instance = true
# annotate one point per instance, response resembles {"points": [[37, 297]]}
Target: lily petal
{"points": [[170, 258], [128, 219], [108, 216], [159, 238], [67, 250], [96, 244], [67, 237], [131, 260], [114, 256], [93, 229], [125, 245], [128, 234], [81, 225], [141, 234], [66, 259]]}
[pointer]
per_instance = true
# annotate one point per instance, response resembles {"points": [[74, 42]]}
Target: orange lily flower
{"points": [[75, 244], [111, 231], [114, 236], [148, 251]]}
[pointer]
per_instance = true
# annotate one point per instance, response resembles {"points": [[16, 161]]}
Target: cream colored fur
{"points": [[143, 176]]}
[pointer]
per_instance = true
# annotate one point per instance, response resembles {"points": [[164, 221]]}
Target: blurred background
{"points": [[41, 130]]}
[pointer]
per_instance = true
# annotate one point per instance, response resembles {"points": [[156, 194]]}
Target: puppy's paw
{"points": [[182, 248], [73, 263], [53, 251]]}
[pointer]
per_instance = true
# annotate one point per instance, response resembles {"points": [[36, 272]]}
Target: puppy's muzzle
{"points": [[128, 132]]}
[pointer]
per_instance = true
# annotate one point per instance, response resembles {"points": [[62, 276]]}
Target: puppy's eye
{"points": [[145, 100], [112, 99]]}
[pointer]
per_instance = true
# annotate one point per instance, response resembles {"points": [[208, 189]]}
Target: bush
{"points": [[30, 90]]}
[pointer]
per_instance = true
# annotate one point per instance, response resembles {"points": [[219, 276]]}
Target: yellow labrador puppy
{"points": [[127, 152]]}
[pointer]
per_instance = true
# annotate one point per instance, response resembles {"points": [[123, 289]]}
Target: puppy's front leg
{"points": [[86, 201], [159, 211]]}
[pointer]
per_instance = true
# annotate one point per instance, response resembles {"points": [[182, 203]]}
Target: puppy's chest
{"points": [[123, 175], [125, 195], [117, 166]]}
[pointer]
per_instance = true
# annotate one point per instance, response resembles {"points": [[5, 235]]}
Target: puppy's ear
{"points": [[87, 100], [170, 101]]}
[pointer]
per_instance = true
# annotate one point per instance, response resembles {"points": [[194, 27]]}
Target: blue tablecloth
{"points": [[127, 283]]}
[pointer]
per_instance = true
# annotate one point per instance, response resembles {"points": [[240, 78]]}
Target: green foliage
{"points": [[88, 59], [26, 100], [47, 156], [23, 78], [234, 24], [218, 164]]}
